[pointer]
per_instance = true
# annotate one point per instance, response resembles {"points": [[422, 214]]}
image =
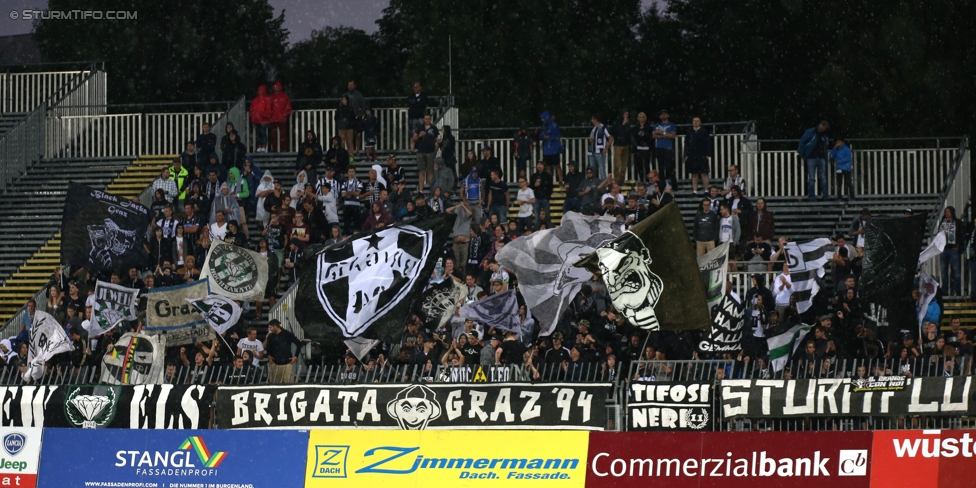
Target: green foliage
{"points": [[176, 50], [898, 68]]}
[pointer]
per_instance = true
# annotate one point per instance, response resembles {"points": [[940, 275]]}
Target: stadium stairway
{"points": [[32, 211], [10, 120]]}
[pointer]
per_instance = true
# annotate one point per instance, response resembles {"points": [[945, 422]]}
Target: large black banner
{"points": [[834, 397], [367, 286], [508, 406], [891, 250], [102, 231], [670, 406], [104, 406]]}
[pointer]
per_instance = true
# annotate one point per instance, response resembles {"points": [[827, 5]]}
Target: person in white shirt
{"points": [[219, 229], [525, 200], [330, 204], [783, 288], [252, 344], [614, 193], [728, 228]]}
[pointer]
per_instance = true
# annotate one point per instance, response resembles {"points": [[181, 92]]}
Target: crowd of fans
{"points": [[203, 198]]}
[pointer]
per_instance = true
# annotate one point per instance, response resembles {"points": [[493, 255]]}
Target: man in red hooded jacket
{"points": [[261, 117], [280, 110]]}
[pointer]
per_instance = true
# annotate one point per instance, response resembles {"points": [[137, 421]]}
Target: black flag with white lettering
{"points": [[891, 250], [727, 327], [367, 286], [102, 231]]}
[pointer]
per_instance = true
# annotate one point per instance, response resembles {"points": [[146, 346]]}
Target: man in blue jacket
{"points": [[842, 158], [552, 145], [813, 148]]}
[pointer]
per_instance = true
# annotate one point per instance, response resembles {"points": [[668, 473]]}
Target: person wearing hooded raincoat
{"points": [[234, 152], [297, 191], [266, 185], [240, 189], [227, 202], [280, 110], [260, 118], [443, 177], [552, 144]]}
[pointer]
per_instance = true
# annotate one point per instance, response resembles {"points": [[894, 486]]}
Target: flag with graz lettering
{"points": [[101, 231], [366, 286]]}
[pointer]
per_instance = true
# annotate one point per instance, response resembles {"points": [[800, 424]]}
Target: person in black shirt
{"points": [[206, 145], [309, 156], [643, 139], [280, 357], [574, 179], [541, 184], [416, 109], [489, 162], [499, 199], [512, 351], [522, 151], [240, 374], [449, 150], [557, 354]]}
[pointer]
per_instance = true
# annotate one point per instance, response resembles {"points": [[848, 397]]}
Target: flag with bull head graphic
{"points": [[652, 274]]}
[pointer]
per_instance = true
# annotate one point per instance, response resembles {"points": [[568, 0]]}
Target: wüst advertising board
{"points": [[923, 458], [19, 457], [85, 458], [351, 458], [729, 459]]}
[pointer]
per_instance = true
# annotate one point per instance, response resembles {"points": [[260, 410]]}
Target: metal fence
{"points": [[880, 166], [22, 146], [318, 115], [726, 140], [23, 92]]}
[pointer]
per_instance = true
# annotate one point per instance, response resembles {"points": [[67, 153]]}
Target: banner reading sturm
{"points": [[834, 397], [541, 406], [669, 406]]}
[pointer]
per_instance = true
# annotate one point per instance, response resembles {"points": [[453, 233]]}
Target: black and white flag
{"points": [[366, 286], [714, 267], [169, 313], [48, 339], [727, 326], [652, 274], [499, 311], [440, 302], [219, 311], [235, 272], [543, 263], [667, 406], [807, 263], [101, 231], [136, 359], [891, 254], [113, 305]]}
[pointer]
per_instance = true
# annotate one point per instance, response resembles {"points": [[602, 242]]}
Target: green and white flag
{"points": [[220, 312], [781, 347], [234, 272], [113, 304]]}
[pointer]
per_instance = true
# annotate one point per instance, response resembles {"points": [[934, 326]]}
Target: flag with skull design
{"points": [[652, 274]]}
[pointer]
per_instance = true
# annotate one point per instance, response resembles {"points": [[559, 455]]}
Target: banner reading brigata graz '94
{"points": [[415, 407], [835, 397]]}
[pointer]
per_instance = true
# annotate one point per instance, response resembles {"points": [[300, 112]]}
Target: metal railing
{"points": [[319, 116], [726, 141], [23, 92], [22, 146], [921, 165]]}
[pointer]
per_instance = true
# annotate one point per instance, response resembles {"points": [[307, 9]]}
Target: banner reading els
{"points": [[923, 458], [729, 459]]}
